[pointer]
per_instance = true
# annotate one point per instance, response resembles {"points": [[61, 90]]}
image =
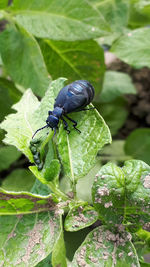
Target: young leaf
{"points": [[116, 84], [134, 43], [32, 238], [121, 195], [80, 217], [78, 151], [137, 144], [78, 60], [24, 203], [104, 248], [23, 60], [60, 20]]}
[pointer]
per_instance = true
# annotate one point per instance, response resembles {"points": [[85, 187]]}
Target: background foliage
{"points": [[41, 41]]}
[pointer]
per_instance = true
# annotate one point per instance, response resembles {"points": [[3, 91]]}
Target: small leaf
{"points": [[121, 195], [115, 85], [78, 151], [80, 217], [32, 238], [104, 248], [18, 180], [134, 43], [23, 60], [137, 144], [24, 203], [78, 60], [60, 20]]}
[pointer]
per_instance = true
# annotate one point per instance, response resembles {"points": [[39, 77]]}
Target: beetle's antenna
{"points": [[46, 126]]}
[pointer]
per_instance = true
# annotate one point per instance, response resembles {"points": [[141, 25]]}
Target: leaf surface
{"points": [[31, 236], [60, 20], [23, 60], [104, 248], [121, 195], [75, 60], [136, 42]]}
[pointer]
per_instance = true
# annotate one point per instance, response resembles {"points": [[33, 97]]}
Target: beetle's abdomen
{"points": [[75, 96], [82, 87]]}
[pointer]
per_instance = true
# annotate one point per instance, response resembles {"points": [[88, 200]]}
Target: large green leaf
{"points": [[104, 248], [23, 60], [121, 195], [78, 151], [3, 4], [137, 144], [134, 43], [75, 60], [60, 19], [116, 84], [26, 240]]}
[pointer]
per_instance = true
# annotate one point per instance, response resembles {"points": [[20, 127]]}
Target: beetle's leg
{"points": [[74, 123], [65, 125]]}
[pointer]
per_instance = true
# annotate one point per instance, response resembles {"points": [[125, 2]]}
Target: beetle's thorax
{"points": [[57, 112]]}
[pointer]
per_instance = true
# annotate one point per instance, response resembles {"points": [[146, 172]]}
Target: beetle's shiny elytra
{"points": [[71, 98]]}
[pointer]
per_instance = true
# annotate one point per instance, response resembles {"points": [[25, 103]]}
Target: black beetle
{"points": [[71, 98]]}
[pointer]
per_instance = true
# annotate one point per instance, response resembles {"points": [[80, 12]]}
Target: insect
{"points": [[71, 98]]}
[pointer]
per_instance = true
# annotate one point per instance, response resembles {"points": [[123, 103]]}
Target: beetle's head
{"points": [[52, 121]]}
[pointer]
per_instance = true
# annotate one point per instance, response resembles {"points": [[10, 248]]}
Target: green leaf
{"points": [[23, 60], [40, 188], [137, 144], [78, 151], [114, 113], [115, 152], [139, 13], [32, 238], [121, 195], [18, 180], [12, 203], [3, 4], [78, 60], [60, 20], [104, 248], [116, 84], [80, 217], [8, 155], [116, 14], [134, 43], [59, 251], [46, 262], [9, 96]]}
